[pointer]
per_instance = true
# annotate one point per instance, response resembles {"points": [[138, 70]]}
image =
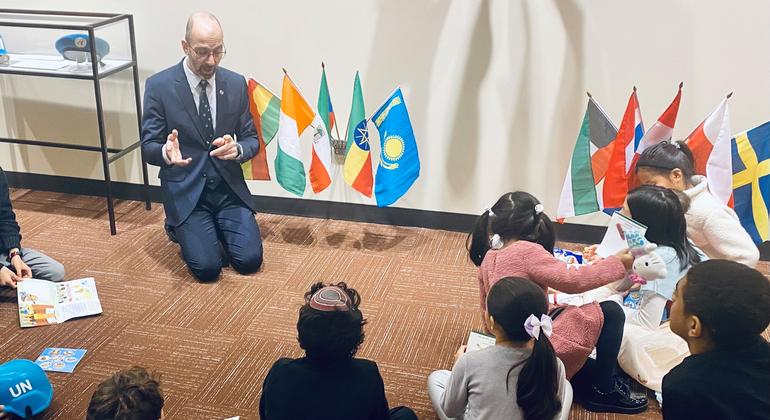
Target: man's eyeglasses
{"points": [[203, 52]]}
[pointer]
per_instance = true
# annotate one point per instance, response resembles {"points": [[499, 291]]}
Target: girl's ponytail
{"points": [[538, 386], [478, 240]]}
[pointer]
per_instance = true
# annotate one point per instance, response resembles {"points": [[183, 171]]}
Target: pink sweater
{"points": [[577, 328]]}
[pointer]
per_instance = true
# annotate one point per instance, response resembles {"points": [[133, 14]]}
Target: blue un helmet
{"points": [[24, 388], [75, 47]]}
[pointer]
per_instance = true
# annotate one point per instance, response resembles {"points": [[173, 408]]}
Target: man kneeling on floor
{"points": [[17, 263]]}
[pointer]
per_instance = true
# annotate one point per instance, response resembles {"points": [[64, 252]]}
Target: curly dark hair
{"points": [[132, 394], [331, 335]]}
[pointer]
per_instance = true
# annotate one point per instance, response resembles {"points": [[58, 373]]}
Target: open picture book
{"points": [[43, 302]]}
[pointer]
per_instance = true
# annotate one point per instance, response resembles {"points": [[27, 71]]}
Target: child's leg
{"points": [[600, 373], [436, 385]]}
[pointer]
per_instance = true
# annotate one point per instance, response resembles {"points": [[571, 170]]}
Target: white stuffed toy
{"points": [[648, 265]]}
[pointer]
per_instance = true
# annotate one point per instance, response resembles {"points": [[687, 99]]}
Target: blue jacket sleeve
{"points": [[154, 129]]}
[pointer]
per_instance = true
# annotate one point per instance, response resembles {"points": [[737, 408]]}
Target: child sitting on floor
{"points": [[132, 394], [517, 378], [721, 309], [328, 383], [515, 238], [649, 349]]}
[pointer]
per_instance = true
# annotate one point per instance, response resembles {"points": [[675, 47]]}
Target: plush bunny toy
{"points": [[648, 265]]}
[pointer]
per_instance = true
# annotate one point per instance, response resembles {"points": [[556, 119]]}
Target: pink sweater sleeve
{"points": [[547, 271]]}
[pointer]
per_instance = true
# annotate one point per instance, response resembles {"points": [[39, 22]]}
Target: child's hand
{"points": [[626, 258], [460, 352], [3, 414], [589, 254]]}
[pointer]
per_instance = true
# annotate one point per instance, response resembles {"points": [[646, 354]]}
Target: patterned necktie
{"points": [[204, 112]]}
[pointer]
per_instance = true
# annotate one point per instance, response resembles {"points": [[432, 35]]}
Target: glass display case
{"points": [[75, 45]]}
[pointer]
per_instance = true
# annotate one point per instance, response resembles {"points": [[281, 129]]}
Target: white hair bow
{"points": [[534, 326]]}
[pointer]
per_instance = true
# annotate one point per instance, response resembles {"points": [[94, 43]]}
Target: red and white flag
{"points": [[710, 145], [629, 136], [662, 130]]}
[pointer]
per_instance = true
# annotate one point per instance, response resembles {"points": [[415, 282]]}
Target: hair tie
{"points": [[496, 242], [489, 210], [677, 145], [539, 208], [534, 326]]}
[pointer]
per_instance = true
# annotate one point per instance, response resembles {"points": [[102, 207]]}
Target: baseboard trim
{"points": [[458, 222]]}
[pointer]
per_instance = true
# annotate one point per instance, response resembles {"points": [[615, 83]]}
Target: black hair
{"points": [[510, 302], [731, 300], [512, 217], [330, 335], [665, 156], [661, 210]]}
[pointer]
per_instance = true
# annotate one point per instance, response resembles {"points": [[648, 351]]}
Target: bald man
{"points": [[197, 127]]}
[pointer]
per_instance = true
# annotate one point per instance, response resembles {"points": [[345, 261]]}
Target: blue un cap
{"points": [[24, 388], [75, 47]]}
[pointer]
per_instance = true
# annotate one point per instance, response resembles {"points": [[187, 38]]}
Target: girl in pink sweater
{"points": [[515, 239]]}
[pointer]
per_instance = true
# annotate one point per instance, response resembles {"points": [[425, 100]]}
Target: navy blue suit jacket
{"points": [[168, 105]]}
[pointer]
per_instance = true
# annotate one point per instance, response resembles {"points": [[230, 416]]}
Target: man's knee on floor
{"points": [[248, 262], [51, 271], [206, 270]]}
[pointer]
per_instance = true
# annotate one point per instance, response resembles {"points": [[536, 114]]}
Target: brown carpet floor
{"points": [[214, 343]]}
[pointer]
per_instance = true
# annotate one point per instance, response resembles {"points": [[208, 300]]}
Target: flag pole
{"points": [[729, 95]]}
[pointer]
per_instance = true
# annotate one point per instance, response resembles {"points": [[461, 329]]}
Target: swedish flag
{"points": [[399, 161], [751, 180]]}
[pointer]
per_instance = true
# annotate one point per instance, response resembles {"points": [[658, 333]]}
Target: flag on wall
{"points": [[296, 115], [399, 160], [586, 169], [358, 158], [629, 136], [662, 130], [265, 109], [710, 145], [751, 183]]}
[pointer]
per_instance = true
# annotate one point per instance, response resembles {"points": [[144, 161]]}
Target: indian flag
{"points": [[265, 108], [295, 116], [588, 164]]}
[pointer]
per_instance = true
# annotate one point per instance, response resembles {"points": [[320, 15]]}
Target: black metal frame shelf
{"points": [[108, 154]]}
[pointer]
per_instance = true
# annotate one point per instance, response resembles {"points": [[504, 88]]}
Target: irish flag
{"points": [[295, 116], [358, 157], [662, 130], [629, 136], [265, 108], [588, 164], [710, 145]]}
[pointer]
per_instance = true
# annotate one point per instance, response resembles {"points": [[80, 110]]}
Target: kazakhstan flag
{"points": [[399, 161]]}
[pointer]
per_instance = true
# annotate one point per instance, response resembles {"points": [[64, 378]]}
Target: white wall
{"points": [[495, 89]]}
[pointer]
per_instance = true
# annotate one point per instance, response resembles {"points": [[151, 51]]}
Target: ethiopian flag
{"points": [[295, 116], [265, 108], [358, 157]]}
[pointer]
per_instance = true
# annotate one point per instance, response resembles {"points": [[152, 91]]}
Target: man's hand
{"points": [[20, 267], [173, 153], [226, 149], [8, 277]]}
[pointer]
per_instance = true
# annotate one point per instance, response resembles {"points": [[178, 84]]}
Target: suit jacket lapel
{"points": [[222, 104], [188, 103]]}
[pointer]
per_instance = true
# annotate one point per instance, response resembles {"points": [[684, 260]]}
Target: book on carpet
{"points": [[43, 302], [478, 340], [614, 239], [54, 359]]}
